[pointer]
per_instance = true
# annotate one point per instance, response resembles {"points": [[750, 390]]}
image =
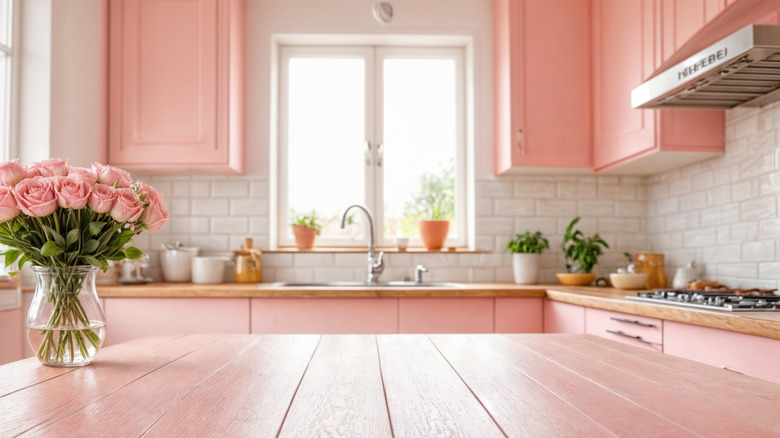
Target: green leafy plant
{"points": [[581, 252], [309, 220], [528, 243], [436, 197]]}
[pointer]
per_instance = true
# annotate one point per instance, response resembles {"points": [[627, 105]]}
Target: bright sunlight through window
{"points": [[382, 127]]}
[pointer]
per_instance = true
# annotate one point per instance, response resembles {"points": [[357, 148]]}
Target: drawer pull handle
{"points": [[632, 322], [626, 335]]}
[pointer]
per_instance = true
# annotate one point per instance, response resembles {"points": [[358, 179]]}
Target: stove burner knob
{"points": [[761, 303]]}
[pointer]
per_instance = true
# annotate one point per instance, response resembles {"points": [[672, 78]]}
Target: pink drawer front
{"points": [[629, 329]]}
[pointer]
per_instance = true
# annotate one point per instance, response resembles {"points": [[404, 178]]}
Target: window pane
{"points": [[5, 22], [5, 86], [419, 143], [326, 137]]}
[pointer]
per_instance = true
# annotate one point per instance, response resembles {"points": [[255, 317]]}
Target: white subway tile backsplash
{"points": [[758, 251], [232, 225], [312, 260], [210, 207], [230, 189], [556, 207], [596, 208], [514, 207]]}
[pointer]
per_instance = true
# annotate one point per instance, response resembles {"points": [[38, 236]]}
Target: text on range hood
{"points": [[741, 69]]}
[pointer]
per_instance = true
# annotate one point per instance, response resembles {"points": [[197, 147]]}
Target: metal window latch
{"points": [[368, 153], [380, 152]]}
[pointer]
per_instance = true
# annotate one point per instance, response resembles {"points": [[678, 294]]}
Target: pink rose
{"points": [[147, 192], [109, 175], [37, 196], [8, 208], [87, 175], [56, 166], [11, 172], [127, 206], [101, 200], [155, 215], [73, 192], [38, 170]]}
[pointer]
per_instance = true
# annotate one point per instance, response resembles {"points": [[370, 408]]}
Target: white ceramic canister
{"points": [[176, 262], [683, 276], [208, 269]]}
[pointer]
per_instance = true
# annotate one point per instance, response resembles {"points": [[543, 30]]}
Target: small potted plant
{"points": [[305, 228], [581, 254], [526, 250], [433, 207]]}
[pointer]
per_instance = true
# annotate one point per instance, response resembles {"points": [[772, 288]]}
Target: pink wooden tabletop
{"points": [[382, 386]]}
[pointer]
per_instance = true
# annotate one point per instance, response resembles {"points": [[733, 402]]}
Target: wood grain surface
{"points": [[384, 385]]}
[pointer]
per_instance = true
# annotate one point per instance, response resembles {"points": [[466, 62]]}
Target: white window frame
{"points": [[374, 55], [8, 148]]}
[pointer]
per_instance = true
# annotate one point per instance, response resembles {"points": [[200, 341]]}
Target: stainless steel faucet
{"points": [[375, 262]]}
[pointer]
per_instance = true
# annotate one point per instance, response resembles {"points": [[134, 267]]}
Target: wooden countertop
{"points": [[270, 290], [384, 386], [765, 324]]}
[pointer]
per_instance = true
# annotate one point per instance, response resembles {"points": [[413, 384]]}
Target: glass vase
{"points": [[65, 324]]}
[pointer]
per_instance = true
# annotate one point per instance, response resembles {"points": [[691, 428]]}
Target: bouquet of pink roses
{"points": [[57, 216]]}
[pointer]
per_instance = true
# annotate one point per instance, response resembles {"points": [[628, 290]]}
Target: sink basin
{"points": [[351, 284]]}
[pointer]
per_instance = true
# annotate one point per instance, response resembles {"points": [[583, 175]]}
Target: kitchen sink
{"points": [[352, 284]]}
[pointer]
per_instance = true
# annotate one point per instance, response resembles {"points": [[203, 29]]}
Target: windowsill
{"points": [[390, 249]]}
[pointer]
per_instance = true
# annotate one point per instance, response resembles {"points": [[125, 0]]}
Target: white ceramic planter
{"points": [[526, 268]]}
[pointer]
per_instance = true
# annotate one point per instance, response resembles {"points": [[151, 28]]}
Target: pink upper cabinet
{"points": [[627, 50], [176, 86], [542, 84]]}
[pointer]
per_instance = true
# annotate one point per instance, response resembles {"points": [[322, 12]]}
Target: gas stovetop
{"points": [[714, 300]]}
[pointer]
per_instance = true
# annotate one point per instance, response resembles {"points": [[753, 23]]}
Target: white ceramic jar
{"points": [[176, 263], [208, 270]]}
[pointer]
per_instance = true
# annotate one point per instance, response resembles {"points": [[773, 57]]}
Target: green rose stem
{"points": [[68, 311]]}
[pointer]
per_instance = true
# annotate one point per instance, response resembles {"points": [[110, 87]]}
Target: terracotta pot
{"points": [[304, 236], [433, 233], [579, 279]]}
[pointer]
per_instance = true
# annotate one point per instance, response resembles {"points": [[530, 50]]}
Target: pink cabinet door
{"points": [[130, 318], [325, 315], [543, 84], [639, 331], [445, 315], [681, 19], [627, 51], [12, 327], [563, 317], [747, 354], [176, 85], [518, 315]]}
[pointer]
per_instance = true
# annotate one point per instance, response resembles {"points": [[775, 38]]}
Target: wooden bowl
{"points": [[579, 279]]}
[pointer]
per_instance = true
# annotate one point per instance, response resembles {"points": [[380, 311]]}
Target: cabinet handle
{"points": [[724, 367], [626, 335], [520, 145], [632, 322]]}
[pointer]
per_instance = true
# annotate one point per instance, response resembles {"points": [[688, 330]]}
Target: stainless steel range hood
{"points": [[741, 69]]}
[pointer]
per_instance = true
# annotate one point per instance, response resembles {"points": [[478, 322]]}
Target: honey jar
{"points": [[653, 265], [249, 266]]}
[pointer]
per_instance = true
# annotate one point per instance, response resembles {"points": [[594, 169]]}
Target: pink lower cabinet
{"points": [[130, 318], [518, 315], [629, 329], [563, 317], [445, 315], [12, 327], [324, 315], [747, 354]]}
